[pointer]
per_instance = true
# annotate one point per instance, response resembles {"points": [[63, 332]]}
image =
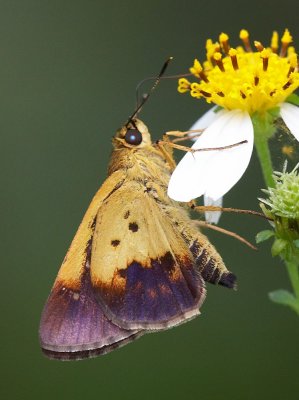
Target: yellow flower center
{"points": [[240, 78]]}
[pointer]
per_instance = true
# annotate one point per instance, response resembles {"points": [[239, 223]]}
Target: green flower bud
{"points": [[282, 206], [283, 199]]}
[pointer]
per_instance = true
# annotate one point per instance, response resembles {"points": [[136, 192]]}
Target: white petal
{"points": [[212, 217], [290, 114], [187, 180], [214, 172], [206, 120], [228, 166], [183, 179]]}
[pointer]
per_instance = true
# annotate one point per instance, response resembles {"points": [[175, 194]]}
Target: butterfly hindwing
{"points": [[207, 260], [73, 324], [141, 267]]}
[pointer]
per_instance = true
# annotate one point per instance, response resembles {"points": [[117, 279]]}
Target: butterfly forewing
{"points": [[141, 268]]}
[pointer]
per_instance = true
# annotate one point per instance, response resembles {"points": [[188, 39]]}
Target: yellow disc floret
{"points": [[240, 78], [274, 42]]}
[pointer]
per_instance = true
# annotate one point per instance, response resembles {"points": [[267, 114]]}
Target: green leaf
{"points": [[293, 99], [266, 211], [296, 243], [278, 246], [285, 298], [264, 235]]}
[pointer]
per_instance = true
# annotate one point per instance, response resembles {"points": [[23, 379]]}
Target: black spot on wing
{"points": [[122, 273], [133, 226], [127, 214], [115, 242], [167, 261]]}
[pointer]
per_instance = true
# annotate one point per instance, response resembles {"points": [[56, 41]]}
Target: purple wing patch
{"points": [[73, 325], [166, 294]]}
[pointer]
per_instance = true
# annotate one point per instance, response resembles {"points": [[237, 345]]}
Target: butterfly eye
{"points": [[133, 136]]}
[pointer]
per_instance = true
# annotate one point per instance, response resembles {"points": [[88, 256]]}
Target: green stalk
{"points": [[294, 276], [293, 272], [262, 148], [264, 128]]}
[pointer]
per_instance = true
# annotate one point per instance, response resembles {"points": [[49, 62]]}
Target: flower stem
{"points": [[262, 148], [264, 128], [293, 272], [294, 276]]}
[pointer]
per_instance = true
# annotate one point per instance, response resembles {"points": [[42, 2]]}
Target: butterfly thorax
{"points": [[145, 163]]}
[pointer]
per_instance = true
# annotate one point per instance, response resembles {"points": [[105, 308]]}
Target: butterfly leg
{"points": [[186, 135], [226, 209], [226, 232]]}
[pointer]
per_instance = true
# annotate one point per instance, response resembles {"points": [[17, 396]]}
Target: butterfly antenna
{"points": [[151, 78], [143, 101]]}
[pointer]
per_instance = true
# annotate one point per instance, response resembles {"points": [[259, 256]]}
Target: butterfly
{"points": [[137, 264]]}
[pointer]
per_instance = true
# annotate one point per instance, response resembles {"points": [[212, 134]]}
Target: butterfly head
{"points": [[133, 135]]}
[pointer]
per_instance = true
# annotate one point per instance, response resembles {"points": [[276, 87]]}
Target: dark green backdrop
{"points": [[68, 70]]}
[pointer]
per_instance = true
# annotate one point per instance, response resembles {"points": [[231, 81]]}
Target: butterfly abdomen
{"points": [[211, 266]]}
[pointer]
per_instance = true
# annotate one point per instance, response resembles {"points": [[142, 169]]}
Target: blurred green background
{"points": [[68, 73]]}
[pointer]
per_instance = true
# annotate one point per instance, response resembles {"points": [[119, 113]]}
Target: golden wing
{"points": [[73, 325], [142, 270]]}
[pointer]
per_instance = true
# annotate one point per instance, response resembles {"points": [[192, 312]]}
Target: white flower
{"points": [[214, 173], [247, 85]]}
